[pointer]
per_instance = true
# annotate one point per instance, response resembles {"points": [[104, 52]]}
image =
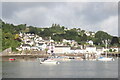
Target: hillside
{"points": [[56, 32]]}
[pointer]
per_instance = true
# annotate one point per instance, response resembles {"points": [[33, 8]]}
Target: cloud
{"points": [[110, 25], [92, 16], [60, 1]]}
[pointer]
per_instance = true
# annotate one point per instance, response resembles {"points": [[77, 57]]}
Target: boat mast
{"points": [[106, 45]]}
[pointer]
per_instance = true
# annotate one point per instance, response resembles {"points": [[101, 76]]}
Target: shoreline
{"points": [[41, 55], [32, 57], [77, 55]]}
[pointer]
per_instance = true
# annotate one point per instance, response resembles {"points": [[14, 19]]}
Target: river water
{"points": [[68, 69]]}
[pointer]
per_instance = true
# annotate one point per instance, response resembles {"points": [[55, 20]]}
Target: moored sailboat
{"points": [[106, 58]]}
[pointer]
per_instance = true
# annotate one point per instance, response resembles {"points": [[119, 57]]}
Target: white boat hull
{"points": [[105, 59], [49, 62]]}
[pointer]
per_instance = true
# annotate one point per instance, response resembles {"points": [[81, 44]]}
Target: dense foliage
{"points": [[9, 32]]}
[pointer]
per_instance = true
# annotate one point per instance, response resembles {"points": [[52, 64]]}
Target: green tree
{"points": [[101, 36], [115, 41]]}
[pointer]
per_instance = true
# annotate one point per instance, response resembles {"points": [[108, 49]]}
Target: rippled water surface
{"points": [[69, 69]]}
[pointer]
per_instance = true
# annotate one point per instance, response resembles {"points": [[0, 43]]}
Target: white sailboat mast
{"points": [[106, 45]]}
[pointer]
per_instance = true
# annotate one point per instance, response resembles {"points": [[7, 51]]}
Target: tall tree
{"points": [[115, 40]]}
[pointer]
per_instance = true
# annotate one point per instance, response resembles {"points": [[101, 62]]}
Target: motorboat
{"points": [[105, 59], [49, 61]]}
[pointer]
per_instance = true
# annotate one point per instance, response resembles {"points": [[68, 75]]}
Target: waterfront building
{"points": [[29, 41], [90, 42], [41, 45], [61, 49], [77, 51], [90, 49], [100, 49]]}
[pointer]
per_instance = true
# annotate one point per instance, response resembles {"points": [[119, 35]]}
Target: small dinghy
{"points": [[11, 59]]}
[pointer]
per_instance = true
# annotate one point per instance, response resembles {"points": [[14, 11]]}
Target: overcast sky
{"points": [[91, 16]]}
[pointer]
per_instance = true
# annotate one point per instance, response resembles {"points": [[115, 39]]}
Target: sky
{"points": [[90, 16]]}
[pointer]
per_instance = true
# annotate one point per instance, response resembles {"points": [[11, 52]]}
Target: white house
{"points": [[29, 41], [21, 34], [25, 47], [87, 33], [61, 49], [41, 46], [90, 42], [93, 34], [31, 35], [64, 40], [34, 48], [38, 39], [19, 49], [25, 37]]}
